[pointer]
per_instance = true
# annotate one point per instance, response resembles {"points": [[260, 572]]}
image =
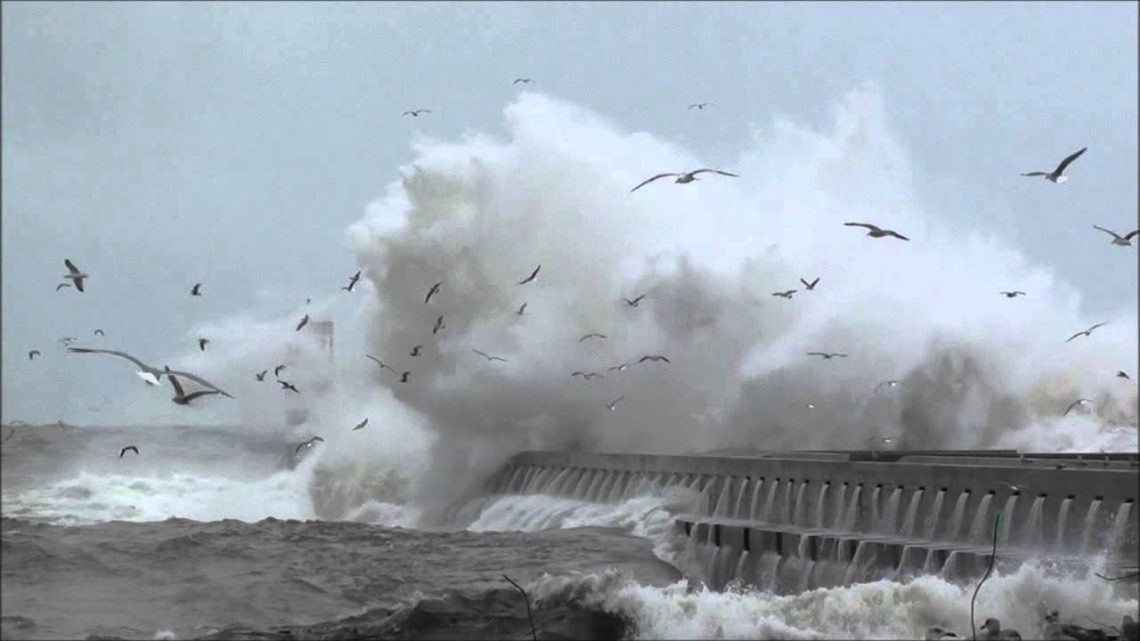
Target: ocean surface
{"points": [[214, 533]]}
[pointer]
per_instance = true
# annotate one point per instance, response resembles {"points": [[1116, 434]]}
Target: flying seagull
{"points": [[592, 335], [33, 354], [827, 355], [416, 350], [1121, 374], [489, 357], [1013, 294], [352, 282], [415, 113], [304, 321], [654, 359], [360, 425], [99, 332], [810, 286], [438, 325], [129, 448], [1117, 239], [404, 376], [530, 278], [1012, 487], [785, 294], [1077, 403], [196, 290], [810, 406], [698, 105], [634, 302], [1087, 332], [525, 81], [877, 232], [285, 385], [202, 342], [308, 443], [613, 404], [277, 370], [521, 310], [432, 291], [621, 367], [683, 178], [891, 383], [74, 274], [61, 286], [1056, 175], [585, 375], [378, 362], [151, 375], [261, 376], [180, 395]]}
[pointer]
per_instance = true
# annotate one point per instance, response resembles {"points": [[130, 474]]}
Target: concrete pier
{"points": [[789, 521]]}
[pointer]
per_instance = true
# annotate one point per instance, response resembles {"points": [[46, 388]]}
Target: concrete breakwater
{"points": [[789, 521]]}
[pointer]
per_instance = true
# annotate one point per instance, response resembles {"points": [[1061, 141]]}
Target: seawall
{"points": [[789, 521]]}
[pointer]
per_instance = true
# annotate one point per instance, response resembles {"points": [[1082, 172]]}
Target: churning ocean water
{"points": [[208, 532]]}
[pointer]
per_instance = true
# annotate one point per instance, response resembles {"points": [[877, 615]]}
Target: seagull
{"points": [[99, 332], [202, 343], [128, 448], [180, 395], [308, 443], [890, 383], [877, 232], [33, 354], [698, 105], [530, 278], [810, 286], [378, 362], [654, 359], [416, 350], [61, 286], [489, 357], [785, 294], [1016, 489], [1080, 402], [404, 377], [592, 335], [74, 274], [1013, 294], [613, 404], [521, 310], [151, 375], [525, 81], [634, 302], [937, 634], [261, 376], [810, 406], [1121, 374], [1117, 239], [277, 370], [352, 282], [991, 631], [285, 385], [827, 355], [360, 425], [1087, 332], [621, 367], [1056, 175], [415, 113], [438, 325], [66, 340], [432, 291], [586, 375], [196, 290], [304, 321], [683, 178]]}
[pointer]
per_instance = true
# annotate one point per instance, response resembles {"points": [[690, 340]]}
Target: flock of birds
{"points": [[153, 376]]}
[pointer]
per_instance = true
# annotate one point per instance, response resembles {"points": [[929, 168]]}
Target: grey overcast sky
{"points": [[162, 144]]}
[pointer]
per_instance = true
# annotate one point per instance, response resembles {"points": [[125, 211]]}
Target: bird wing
{"points": [[817, 354], [71, 268], [1112, 233], [840, 355], [1096, 326], [88, 350], [61, 286], [715, 171], [1065, 163], [277, 370], [432, 291], [178, 391], [199, 380], [651, 180], [498, 358], [814, 282], [867, 225], [1130, 234], [378, 362], [1071, 406], [1073, 336], [897, 235], [532, 276], [200, 393], [483, 354], [1036, 173], [302, 323]]}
